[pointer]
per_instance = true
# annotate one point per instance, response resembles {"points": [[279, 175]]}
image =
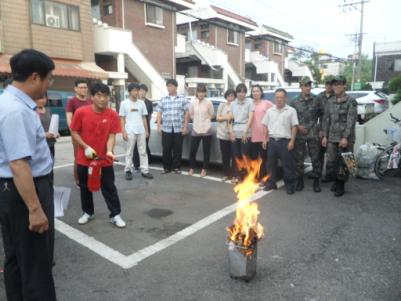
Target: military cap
{"points": [[305, 80], [329, 79], [340, 79]]}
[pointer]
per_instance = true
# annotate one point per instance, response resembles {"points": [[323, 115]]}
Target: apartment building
{"points": [[266, 56], [62, 29], [386, 60], [329, 65], [137, 37], [211, 48]]}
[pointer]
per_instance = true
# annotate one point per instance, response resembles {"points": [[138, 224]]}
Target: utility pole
{"points": [[354, 39], [353, 5]]}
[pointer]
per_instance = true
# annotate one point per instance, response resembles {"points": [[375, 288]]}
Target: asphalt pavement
{"points": [[316, 247]]}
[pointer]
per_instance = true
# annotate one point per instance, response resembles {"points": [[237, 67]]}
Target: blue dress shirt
{"points": [[21, 134]]}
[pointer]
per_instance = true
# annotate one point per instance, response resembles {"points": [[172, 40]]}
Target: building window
{"points": [[53, 14], [108, 9], [154, 15], [397, 65], [257, 46], [204, 34], [232, 37], [278, 47], [204, 30]]}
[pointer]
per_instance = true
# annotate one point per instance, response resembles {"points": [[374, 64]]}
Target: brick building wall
{"points": [[157, 44], [18, 32], [218, 38]]}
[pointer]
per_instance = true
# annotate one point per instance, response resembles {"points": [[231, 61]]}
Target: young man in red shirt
{"points": [[79, 100], [94, 129]]}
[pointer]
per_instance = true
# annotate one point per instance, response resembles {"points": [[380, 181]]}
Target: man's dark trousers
{"points": [[172, 143], [278, 149], [107, 187], [28, 255]]}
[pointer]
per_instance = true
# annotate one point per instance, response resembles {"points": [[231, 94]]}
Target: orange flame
{"points": [[246, 228]]}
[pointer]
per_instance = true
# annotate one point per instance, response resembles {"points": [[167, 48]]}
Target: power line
{"points": [[350, 6]]}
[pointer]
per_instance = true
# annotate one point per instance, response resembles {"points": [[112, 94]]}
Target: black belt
{"points": [[278, 139], [35, 178]]}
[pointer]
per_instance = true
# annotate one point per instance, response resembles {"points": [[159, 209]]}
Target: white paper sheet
{"points": [[53, 127], [61, 200]]}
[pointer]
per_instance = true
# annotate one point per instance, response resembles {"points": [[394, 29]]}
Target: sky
{"points": [[323, 24]]}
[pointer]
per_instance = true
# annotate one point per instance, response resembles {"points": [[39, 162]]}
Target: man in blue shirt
{"points": [[26, 188], [173, 111]]}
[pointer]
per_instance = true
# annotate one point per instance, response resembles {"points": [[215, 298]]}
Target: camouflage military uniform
{"points": [[339, 122], [323, 100], [309, 112]]}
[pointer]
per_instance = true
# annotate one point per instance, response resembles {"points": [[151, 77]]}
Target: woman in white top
{"points": [[224, 129], [201, 112]]}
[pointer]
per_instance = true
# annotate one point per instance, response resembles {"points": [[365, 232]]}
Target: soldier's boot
{"points": [[339, 189], [316, 185], [333, 186], [300, 184]]}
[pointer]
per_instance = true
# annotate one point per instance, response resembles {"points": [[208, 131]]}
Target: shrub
{"points": [[396, 98], [395, 84]]}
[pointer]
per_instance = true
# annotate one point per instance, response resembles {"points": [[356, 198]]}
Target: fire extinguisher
{"points": [[94, 175]]}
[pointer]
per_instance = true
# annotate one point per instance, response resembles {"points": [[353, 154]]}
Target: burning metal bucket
{"points": [[242, 260]]}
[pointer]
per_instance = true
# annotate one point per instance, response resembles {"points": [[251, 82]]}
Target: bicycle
{"points": [[381, 163]]}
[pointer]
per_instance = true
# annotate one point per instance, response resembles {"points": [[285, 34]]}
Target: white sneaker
{"points": [[118, 221], [85, 218]]}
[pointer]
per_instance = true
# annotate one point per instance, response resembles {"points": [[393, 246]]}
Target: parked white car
{"points": [[155, 138], [370, 103]]}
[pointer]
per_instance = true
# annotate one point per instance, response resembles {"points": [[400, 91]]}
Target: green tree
{"points": [[366, 72], [309, 56]]}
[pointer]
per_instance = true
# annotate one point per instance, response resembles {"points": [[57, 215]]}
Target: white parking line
{"points": [[127, 262], [185, 173]]}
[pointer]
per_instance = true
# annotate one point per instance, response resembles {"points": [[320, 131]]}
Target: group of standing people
{"points": [[255, 128]]}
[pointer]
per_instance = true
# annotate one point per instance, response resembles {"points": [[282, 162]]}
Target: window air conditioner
{"points": [[53, 21]]}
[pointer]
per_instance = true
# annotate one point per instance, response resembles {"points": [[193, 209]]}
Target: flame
{"points": [[246, 229]]}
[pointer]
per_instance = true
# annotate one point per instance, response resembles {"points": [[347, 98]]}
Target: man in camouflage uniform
{"points": [[309, 113], [339, 122], [323, 97]]}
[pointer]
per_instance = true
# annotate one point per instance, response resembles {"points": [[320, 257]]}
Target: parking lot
{"points": [[317, 247]]}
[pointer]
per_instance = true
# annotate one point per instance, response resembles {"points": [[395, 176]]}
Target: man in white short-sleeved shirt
{"points": [[134, 125], [281, 123]]}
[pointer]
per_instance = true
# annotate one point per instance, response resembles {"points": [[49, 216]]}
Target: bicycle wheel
{"points": [[382, 161]]}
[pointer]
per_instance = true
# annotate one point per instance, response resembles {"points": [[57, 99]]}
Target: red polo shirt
{"points": [[94, 128], [75, 103]]}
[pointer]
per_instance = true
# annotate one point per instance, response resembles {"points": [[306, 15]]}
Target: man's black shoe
{"points": [[340, 189], [177, 171], [128, 175], [165, 171], [327, 179], [300, 184], [269, 187], [290, 189], [316, 185], [333, 186], [147, 175]]}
